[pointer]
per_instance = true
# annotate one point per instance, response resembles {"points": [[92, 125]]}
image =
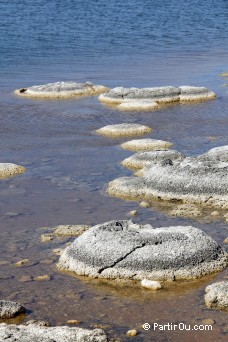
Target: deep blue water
{"points": [[84, 32]]}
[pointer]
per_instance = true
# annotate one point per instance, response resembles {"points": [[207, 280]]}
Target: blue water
{"points": [[86, 34]]}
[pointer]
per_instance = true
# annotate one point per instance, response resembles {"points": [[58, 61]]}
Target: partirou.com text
{"points": [[174, 326]]}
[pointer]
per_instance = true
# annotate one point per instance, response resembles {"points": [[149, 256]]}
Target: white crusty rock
{"points": [[122, 249], [217, 295], [195, 94], [8, 169], [151, 284], [123, 130], [143, 159], [39, 333], [146, 145], [157, 94], [10, 309], [149, 98], [202, 179], [138, 105], [62, 90]]}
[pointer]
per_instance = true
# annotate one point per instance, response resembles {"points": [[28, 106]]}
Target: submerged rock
{"points": [[202, 179], [217, 295], [122, 249], [46, 237], [23, 262], [145, 145], [39, 333], [8, 169], [186, 210], [70, 230], [10, 309], [62, 90], [149, 98], [123, 130]]}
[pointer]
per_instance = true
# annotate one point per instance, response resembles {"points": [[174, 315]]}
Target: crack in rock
{"points": [[121, 259]]}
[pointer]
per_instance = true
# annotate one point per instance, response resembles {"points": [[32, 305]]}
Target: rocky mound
{"points": [[122, 249], [36, 333], [123, 130], [8, 169], [62, 90], [149, 98], [217, 295], [146, 145], [202, 179]]}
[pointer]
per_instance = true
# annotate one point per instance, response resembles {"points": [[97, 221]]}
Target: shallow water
{"points": [[68, 165]]}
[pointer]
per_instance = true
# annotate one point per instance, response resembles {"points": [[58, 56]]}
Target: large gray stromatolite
{"points": [[62, 90], [122, 249], [148, 98], [202, 179], [36, 333]]}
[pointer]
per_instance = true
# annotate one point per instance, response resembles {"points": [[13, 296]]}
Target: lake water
{"points": [[113, 43]]}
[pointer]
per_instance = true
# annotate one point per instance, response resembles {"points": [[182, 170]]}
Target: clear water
{"points": [[114, 43]]}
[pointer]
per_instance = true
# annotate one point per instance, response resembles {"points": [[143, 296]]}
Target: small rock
{"points": [[132, 333], [226, 217], [10, 309], [217, 295], [144, 204], [23, 262], [73, 321], [8, 170], [58, 251], [214, 213], [133, 213], [151, 284], [208, 321], [42, 278], [70, 230], [46, 237], [226, 240]]}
